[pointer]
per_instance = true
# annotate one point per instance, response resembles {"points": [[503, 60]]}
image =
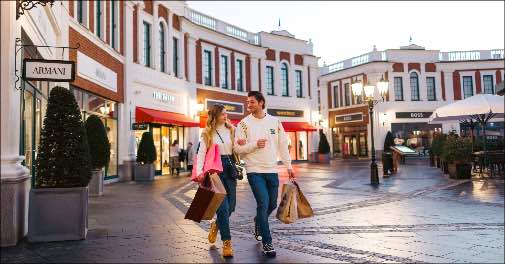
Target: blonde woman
{"points": [[219, 131]]}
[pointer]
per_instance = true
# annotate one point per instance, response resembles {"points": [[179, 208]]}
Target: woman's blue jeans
{"points": [[228, 205]]}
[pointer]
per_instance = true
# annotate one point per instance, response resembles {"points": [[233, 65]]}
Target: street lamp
{"points": [[358, 89]]}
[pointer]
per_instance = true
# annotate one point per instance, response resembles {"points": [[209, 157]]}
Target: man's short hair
{"points": [[258, 96]]}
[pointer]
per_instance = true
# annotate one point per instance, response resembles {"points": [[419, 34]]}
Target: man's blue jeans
{"points": [[228, 205], [265, 187]]}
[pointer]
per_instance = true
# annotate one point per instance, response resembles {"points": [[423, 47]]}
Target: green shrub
{"points": [[457, 149], [99, 145], [63, 159], [389, 142], [437, 145], [146, 153], [324, 146]]}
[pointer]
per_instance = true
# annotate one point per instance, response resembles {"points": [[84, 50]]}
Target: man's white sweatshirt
{"points": [[262, 160]]}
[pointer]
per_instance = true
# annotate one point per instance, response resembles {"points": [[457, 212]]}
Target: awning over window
{"points": [[298, 126], [146, 115]]}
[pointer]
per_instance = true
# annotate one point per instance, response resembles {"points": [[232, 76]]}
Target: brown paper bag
{"points": [[207, 199], [304, 208], [287, 212]]}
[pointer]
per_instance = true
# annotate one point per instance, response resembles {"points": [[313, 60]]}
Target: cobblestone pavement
{"points": [[418, 215]]}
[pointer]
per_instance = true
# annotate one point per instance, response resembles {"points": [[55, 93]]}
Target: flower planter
{"points": [[144, 172], [96, 183], [387, 163], [58, 214], [460, 170], [323, 158]]}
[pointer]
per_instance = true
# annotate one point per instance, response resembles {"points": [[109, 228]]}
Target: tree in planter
{"points": [[437, 145], [63, 159], [99, 148], [387, 157], [146, 154], [457, 152], [324, 146]]}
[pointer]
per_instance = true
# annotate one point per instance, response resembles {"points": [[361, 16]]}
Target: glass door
{"points": [[165, 144], [363, 148], [157, 144]]}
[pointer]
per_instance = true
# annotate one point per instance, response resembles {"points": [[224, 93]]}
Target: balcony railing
{"points": [[222, 27], [355, 61], [471, 55]]}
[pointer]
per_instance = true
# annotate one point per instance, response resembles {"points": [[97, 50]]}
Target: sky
{"points": [[341, 30]]}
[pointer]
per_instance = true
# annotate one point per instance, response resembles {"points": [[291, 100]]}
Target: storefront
{"points": [[417, 135], [298, 132], [166, 128], [349, 133]]}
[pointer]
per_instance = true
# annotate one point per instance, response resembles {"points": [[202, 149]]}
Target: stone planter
{"points": [[58, 214], [438, 163], [96, 183], [445, 167], [432, 160], [144, 172], [323, 158], [460, 170], [387, 163]]}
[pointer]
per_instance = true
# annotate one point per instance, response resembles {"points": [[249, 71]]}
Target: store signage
{"points": [[139, 126], [284, 112], [48, 70], [349, 118], [413, 114], [164, 97], [93, 71], [231, 107]]}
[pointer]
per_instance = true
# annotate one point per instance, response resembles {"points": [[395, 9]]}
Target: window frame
{"points": [[223, 72], [299, 83], [463, 86], [335, 96], [484, 83], [146, 42], [207, 67], [269, 78], [115, 24], [239, 75], [162, 43], [100, 19], [414, 75], [175, 56], [284, 79], [395, 87], [431, 80], [347, 99]]}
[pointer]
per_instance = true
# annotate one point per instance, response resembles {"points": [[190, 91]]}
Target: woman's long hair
{"points": [[213, 114]]}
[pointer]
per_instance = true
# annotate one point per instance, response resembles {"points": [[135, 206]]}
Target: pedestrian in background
{"points": [[174, 157], [189, 157]]}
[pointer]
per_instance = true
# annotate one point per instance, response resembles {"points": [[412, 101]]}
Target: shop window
{"points": [[270, 80], [162, 47], [431, 90], [223, 71], [176, 57], [284, 79], [414, 86], [298, 84], [467, 86], [347, 94], [398, 86], [335, 96], [146, 55], [239, 75], [488, 84], [207, 66]]}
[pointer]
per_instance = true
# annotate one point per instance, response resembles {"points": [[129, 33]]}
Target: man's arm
{"points": [[241, 134], [283, 147]]}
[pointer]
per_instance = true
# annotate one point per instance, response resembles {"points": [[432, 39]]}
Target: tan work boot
{"points": [[227, 249], [213, 232]]}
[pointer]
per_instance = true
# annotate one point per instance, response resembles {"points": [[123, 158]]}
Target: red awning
{"points": [[298, 126], [146, 115]]}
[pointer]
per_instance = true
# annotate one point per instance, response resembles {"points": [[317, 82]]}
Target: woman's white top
{"points": [[225, 148], [174, 151]]}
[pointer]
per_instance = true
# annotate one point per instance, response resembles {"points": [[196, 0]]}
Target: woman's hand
{"points": [[241, 142]]}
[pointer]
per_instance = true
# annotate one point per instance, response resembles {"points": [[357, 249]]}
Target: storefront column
{"points": [[126, 136], [192, 59], [14, 177]]}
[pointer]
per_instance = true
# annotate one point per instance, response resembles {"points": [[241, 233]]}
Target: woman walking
{"points": [[219, 131], [174, 157]]}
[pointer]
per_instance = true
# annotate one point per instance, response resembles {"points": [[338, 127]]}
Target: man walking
{"points": [[190, 153], [260, 140]]}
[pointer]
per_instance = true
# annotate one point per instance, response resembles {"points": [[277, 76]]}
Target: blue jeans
{"points": [[265, 187], [228, 205]]}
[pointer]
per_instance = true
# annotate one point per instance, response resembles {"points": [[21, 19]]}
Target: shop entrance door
{"points": [[164, 136], [355, 145]]}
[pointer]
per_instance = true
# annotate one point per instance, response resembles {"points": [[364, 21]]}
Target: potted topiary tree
{"points": [[146, 155], [437, 146], [387, 155], [324, 148], [59, 200], [99, 149], [457, 153]]}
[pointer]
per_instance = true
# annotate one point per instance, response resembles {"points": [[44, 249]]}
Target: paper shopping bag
{"points": [[207, 199], [287, 212], [304, 208]]}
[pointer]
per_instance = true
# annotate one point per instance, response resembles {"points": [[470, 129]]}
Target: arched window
{"points": [[284, 79], [414, 86], [162, 47]]}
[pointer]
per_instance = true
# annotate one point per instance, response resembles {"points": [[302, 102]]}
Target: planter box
{"points": [[96, 183], [387, 163], [144, 172], [438, 163], [460, 170], [323, 158], [432, 160], [58, 214]]}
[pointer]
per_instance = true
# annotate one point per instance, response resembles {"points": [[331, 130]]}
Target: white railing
{"points": [[471, 55], [355, 61], [222, 27]]}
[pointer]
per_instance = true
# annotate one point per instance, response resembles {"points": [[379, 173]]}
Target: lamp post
{"points": [[358, 89]]}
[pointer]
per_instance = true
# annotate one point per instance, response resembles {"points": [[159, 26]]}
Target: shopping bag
{"points": [[211, 164], [208, 198], [287, 212], [304, 208]]}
